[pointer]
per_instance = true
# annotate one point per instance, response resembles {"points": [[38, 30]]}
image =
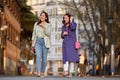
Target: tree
{"points": [[27, 20], [96, 13]]}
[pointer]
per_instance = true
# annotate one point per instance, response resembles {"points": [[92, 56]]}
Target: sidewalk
{"points": [[58, 78]]}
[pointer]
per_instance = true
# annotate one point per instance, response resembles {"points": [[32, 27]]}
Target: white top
{"points": [[39, 32], [105, 60], [82, 59]]}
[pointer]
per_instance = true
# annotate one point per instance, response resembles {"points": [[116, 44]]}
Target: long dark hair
{"points": [[47, 20], [67, 14]]}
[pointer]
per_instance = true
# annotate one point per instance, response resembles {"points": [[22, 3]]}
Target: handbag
{"points": [[77, 45]]}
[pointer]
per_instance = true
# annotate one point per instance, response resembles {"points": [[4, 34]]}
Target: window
{"points": [[11, 4], [8, 2], [14, 33], [59, 36], [77, 1], [10, 32], [61, 0], [59, 29], [59, 50], [36, 1], [55, 49], [17, 39], [43, 1], [55, 36], [54, 12], [49, 11], [55, 26], [67, 0], [5, 31], [60, 11]]}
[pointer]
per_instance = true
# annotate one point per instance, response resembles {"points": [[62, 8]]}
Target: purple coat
{"points": [[69, 53]]}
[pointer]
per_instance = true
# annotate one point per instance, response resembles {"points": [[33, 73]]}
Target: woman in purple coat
{"points": [[70, 54]]}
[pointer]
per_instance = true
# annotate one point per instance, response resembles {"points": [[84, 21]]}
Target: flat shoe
{"points": [[42, 75], [69, 76]]}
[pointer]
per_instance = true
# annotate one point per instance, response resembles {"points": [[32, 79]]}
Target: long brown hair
{"points": [[47, 20], [67, 14]]}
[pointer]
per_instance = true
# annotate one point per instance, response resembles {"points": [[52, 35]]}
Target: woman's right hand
{"points": [[65, 33], [33, 49]]}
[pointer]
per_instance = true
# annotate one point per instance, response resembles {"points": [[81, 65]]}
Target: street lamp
{"points": [[1, 8], [16, 39], [110, 21], [2, 28], [2, 44], [1, 49]]}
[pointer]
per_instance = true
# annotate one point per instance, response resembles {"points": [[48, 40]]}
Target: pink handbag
{"points": [[77, 45]]}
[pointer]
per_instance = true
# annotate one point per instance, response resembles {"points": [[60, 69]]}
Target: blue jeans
{"points": [[41, 55]]}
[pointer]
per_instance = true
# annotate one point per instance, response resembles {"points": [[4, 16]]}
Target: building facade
{"points": [[10, 37]]}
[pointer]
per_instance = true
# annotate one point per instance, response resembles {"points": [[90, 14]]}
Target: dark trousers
{"points": [[82, 70], [106, 70], [19, 70], [118, 69]]}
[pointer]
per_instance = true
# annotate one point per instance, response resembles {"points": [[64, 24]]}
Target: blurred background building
{"points": [[10, 28], [98, 31], [14, 51]]}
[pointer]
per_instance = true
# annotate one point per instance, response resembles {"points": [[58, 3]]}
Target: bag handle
{"points": [[77, 35]]}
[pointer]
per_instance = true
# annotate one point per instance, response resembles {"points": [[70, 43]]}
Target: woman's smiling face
{"points": [[66, 19], [43, 17]]}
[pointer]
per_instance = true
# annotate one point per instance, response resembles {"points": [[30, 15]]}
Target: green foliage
{"points": [[27, 18]]}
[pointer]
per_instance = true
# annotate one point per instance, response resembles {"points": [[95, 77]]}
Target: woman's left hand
{"points": [[71, 19], [42, 25]]}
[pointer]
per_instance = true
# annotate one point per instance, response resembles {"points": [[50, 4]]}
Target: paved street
{"points": [[56, 78]]}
